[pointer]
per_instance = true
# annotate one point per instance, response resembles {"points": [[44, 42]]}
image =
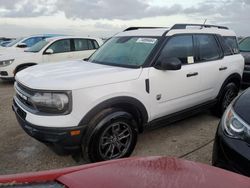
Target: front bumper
{"points": [[231, 154], [7, 72], [61, 140]]}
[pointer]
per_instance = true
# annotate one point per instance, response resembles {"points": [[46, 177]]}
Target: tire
{"points": [[230, 91], [112, 135]]}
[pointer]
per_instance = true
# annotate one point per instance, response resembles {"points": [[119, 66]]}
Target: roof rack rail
{"points": [[184, 26], [136, 28]]}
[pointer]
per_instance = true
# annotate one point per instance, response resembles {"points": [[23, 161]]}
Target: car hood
{"points": [[72, 75], [7, 50], [26, 57], [246, 56], [242, 106], [146, 172]]}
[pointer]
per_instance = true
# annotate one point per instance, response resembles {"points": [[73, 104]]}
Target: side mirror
{"points": [[169, 64], [22, 45], [49, 51]]}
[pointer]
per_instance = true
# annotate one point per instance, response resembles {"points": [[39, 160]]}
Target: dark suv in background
{"points": [[244, 45]]}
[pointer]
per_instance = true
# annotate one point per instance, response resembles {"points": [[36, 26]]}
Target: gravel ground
{"points": [[191, 139]]}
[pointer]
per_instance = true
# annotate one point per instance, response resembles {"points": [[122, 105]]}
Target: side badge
{"points": [[158, 97]]}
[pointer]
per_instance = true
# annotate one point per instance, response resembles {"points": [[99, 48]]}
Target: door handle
{"points": [[192, 74], [222, 68]]}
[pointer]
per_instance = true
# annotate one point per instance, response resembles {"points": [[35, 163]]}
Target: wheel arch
{"points": [[235, 78], [129, 104], [23, 65]]}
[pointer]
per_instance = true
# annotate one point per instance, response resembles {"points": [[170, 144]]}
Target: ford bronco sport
{"points": [[139, 78]]}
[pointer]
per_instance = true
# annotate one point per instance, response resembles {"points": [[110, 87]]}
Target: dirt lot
{"points": [[190, 139]]}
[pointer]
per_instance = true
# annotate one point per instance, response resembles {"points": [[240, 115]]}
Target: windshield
{"points": [[14, 42], [38, 46], [124, 51], [245, 45]]}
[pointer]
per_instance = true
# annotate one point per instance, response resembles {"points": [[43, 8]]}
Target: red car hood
{"points": [[139, 173]]}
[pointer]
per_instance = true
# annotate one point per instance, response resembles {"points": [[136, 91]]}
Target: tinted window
{"points": [[91, 45], [208, 48], [232, 43], [180, 47], [31, 41], [61, 46], [95, 44], [245, 45], [81, 44]]}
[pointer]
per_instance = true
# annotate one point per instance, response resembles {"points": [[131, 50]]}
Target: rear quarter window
{"points": [[232, 43]]}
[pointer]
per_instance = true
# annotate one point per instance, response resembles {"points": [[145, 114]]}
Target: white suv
{"points": [[48, 50], [23, 43], [139, 78]]}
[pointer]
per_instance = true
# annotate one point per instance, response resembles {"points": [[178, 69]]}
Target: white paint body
{"points": [[21, 58], [91, 83]]}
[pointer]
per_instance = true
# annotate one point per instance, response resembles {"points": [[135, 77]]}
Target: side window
{"points": [[81, 44], [32, 41], [96, 44], [226, 49], [91, 45], [232, 43], [61, 46], [208, 48], [180, 47]]}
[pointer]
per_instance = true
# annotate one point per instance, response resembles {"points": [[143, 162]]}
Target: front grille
{"points": [[23, 94]]}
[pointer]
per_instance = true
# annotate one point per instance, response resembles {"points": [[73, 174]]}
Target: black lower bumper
{"points": [[61, 140], [231, 154]]}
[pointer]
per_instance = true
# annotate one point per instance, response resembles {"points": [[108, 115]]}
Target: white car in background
{"points": [[54, 49], [23, 43]]}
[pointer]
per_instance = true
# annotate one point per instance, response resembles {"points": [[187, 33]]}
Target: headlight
{"points": [[57, 103], [6, 62], [234, 126]]}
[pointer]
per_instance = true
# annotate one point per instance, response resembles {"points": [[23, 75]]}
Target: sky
{"points": [[103, 18]]}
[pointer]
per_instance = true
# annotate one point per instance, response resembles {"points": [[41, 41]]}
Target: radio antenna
{"points": [[205, 22]]}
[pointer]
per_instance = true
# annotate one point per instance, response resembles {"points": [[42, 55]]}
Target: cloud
{"points": [[233, 13], [26, 8]]}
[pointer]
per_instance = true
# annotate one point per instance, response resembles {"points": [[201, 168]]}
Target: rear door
{"points": [[83, 48], [211, 66]]}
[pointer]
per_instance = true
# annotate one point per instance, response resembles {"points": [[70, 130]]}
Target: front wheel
{"points": [[113, 136]]}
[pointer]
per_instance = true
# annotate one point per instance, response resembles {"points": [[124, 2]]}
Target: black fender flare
{"points": [[232, 78], [118, 102], [22, 65]]}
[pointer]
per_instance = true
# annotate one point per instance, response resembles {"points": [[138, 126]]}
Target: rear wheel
{"points": [[229, 92], [113, 136]]}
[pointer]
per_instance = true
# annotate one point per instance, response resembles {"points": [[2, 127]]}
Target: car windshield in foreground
{"points": [[245, 45], [124, 51], [14, 42], [38, 46]]}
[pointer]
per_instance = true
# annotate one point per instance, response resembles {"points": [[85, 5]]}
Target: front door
{"points": [[173, 91], [62, 51]]}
